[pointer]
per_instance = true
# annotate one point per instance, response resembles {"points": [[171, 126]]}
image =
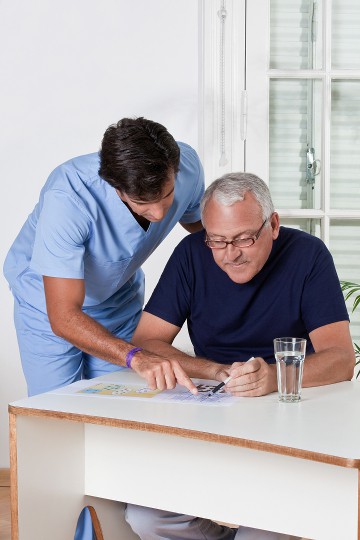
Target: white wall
{"points": [[68, 70]]}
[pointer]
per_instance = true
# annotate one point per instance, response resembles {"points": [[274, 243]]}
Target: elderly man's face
{"points": [[241, 220]]}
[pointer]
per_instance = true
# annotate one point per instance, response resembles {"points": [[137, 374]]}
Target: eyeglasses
{"points": [[238, 242]]}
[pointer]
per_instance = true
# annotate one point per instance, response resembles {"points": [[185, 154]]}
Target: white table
{"points": [[291, 468]]}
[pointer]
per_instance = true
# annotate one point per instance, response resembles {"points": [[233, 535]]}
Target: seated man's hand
{"points": [[161, 373], [250, 379]]}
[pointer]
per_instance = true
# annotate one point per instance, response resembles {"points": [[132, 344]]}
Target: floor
{"points": [[5, 533]]}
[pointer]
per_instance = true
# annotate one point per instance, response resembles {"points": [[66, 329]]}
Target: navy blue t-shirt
{"points": [[296, 292]]}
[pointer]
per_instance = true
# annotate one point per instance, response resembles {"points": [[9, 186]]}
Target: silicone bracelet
{"points": [[130, 355]]}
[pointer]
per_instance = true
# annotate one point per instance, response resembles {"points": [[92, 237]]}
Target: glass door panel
{"points": [[345, 49], [345, 141], [304, 224], [295, 142], [295, 34]]}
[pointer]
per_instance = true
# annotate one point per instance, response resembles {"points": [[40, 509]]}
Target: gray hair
{"points": [[232, 187]]}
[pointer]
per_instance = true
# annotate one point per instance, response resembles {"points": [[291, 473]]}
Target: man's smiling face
{"points": [[242, 219]]}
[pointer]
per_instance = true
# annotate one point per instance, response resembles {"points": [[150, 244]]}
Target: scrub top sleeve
{"points": [[192, 213], [61, 233]]}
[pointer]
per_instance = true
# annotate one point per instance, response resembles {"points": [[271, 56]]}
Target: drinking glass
{"points": [[290, 356]]}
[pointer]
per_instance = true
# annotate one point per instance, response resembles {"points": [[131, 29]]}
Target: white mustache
{"points": [[238, 260]]}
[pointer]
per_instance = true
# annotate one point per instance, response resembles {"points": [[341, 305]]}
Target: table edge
{"points": [[189, 434]]}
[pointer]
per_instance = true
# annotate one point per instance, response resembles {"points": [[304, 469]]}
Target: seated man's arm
{"points": [[157, 335], [64, 300], [334, 357], [333, 361]]}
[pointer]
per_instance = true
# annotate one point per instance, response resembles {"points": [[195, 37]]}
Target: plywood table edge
{"points": [[359, 505], [13, 478], [190, 434]]}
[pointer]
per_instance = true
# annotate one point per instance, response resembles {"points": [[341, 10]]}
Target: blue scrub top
{"points": [[81, 229]]}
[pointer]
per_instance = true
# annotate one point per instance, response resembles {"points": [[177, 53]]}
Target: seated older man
{"points": [[239, 284]]}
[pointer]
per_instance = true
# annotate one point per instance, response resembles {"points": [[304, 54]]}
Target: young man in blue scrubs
{"points": [[239, 284], [74, 269]]}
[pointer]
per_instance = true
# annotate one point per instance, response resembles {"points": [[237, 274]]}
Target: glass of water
{"points": [[289, 355]]}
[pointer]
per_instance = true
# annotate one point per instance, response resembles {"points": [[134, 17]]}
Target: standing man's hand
{"points": [[161, 373], [250, 379]]}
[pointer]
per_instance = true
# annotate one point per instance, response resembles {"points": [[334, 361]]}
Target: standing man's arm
{"points": [[64, 300], [157, 335]]}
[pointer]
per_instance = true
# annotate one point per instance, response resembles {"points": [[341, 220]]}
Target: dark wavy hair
{"points": [[136, 157]]}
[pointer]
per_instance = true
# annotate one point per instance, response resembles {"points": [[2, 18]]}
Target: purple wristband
{"points": [[130, 355]]}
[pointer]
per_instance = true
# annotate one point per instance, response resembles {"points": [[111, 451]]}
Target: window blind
{"points": [[289, 138], [292, 105], [290, 33], [345, 145], [345, 34]]}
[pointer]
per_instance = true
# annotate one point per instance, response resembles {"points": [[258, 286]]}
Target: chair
{"points": [[96, 523]]}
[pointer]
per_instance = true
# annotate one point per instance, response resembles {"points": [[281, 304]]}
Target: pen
{"points": [[219, 386]]}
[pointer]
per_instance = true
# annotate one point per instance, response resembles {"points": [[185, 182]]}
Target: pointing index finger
{"points": [[183, 379]]}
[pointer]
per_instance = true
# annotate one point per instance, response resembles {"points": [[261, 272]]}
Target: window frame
{"points": [[247, 77]]}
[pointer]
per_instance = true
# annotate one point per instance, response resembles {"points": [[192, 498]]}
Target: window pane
{"points": [[346, 34], [345, 248], [345, 139], [294, 142], [295, 34], [311, 226]]}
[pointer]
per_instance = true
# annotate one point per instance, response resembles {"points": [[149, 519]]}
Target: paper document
{"points": [[130, 391]]}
